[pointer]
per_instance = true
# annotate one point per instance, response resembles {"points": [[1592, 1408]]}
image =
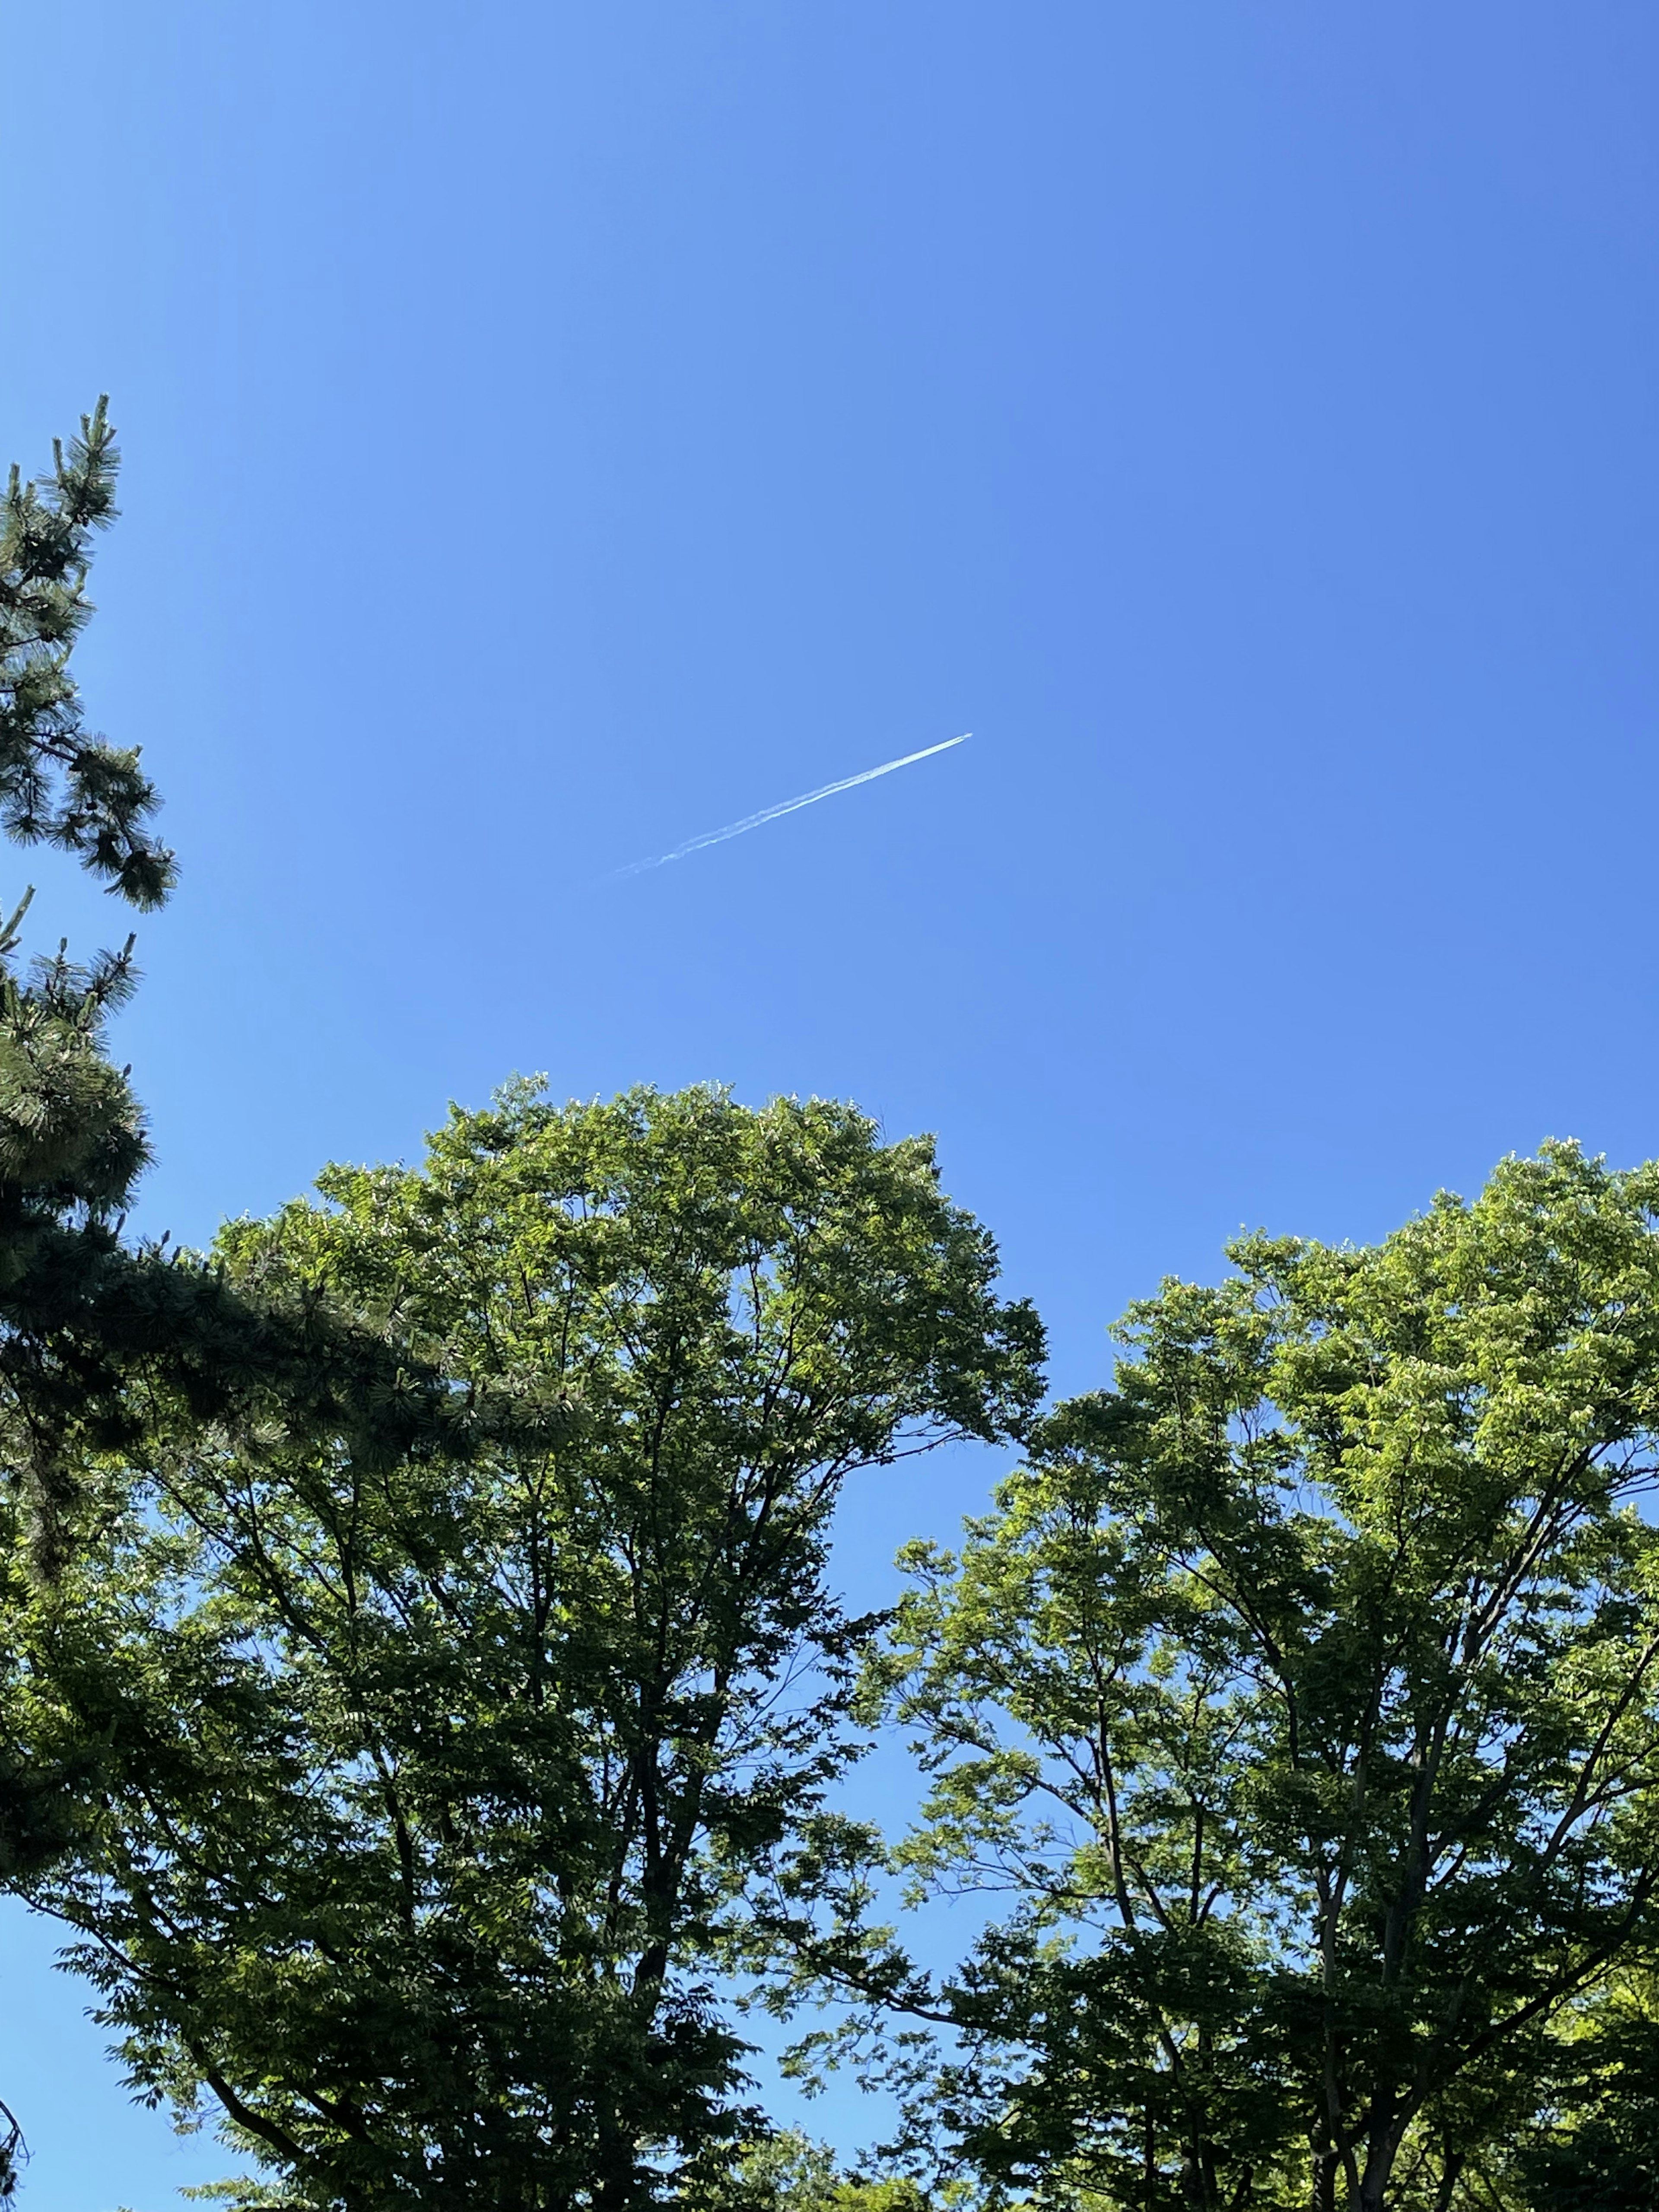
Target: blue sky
{"points": [[553, 432]]}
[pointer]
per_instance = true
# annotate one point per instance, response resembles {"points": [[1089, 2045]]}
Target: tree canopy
{"points": [[427, 1692], [437, 1791], [1301, 1694]]}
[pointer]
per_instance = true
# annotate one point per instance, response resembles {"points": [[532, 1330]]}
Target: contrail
{"points": [[787, 806]]}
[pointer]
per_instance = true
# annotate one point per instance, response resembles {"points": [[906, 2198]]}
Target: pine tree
{"points": [[71, 1143], [87, 1314], [107, 1343], [58, 784]]}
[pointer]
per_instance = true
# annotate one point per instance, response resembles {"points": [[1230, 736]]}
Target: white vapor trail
{"points": [[787, 806]]}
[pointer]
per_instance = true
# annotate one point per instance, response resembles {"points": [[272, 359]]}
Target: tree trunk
{"points": [[1450, 2174], [1327, 2167], [1380, 2153]]}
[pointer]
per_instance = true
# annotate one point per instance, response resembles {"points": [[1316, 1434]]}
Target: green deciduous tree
{"points": [[439, 1788], [1587, 2139], [788, 2172], [1302, 1692]]}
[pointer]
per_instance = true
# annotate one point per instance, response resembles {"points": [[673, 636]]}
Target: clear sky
{"points": [[553, 431]]}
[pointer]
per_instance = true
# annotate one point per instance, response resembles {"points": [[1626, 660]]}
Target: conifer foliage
{"points": [[58, 784], [106, 1343], [71, 1143], [100, 1338]]}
